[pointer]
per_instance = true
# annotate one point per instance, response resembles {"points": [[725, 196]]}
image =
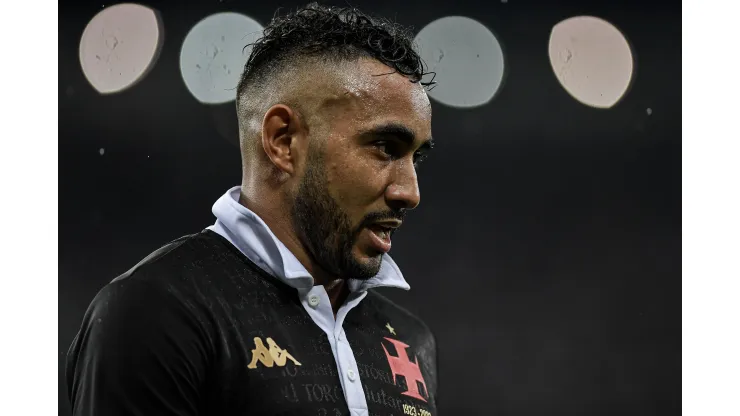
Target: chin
{"points": [[367, 255], [369, 262]]}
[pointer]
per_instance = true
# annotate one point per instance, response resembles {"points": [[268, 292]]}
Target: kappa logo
{"points": [[403, 366], [269, 357]]}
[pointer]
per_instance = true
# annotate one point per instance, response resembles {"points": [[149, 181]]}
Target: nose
{"points": [[403, 191]]}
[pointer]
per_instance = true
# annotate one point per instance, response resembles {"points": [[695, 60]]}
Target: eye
{"points": [[381, 144], [386, 147], [393, 150]]}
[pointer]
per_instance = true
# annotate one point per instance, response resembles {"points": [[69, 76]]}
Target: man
{"points": [[270, 310]]}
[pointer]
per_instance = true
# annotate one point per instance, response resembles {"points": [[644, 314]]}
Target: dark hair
{"points": [[335, 34]]}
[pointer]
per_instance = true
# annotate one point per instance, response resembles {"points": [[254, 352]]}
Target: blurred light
{"points": [[467, 59], [213, 55], [119, 46], [591, 59]]}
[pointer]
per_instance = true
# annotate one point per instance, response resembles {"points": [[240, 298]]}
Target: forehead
{"points": [[367, 93]]}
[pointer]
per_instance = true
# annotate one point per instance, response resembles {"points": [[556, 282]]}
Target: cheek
{"points": [[356, 185]]}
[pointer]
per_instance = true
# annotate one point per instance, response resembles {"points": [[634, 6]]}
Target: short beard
{"points": [[324, 228]]}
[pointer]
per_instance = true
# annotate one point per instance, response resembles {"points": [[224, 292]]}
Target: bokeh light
{"points": [[467, 58], [213, 55], [119, 46], [592, 60]]}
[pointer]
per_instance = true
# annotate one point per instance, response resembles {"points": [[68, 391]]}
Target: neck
{"points": [[338, 291]]}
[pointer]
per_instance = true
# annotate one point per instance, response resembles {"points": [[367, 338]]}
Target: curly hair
{"points": [[334, 34]]}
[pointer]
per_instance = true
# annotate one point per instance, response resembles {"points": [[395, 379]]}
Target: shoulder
{"points": [[156, 347], [185, 253], [204, 276], [158, 297], [188, 265]]}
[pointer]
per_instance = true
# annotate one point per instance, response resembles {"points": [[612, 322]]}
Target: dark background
{"points": [[545, 254]]}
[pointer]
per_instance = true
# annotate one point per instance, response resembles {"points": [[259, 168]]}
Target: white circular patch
{"points": [[213, 55], [467, 59], [119, 46], [592, 60]]}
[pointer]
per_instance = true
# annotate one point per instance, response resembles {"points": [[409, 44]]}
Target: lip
{"points": [[388, 224], [380, 244]]}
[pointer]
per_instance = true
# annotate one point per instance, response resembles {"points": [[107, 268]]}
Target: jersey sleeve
{"points": [[139, 351]]}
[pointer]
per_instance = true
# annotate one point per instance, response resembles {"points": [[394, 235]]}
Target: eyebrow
{"points": [[400, 132]]}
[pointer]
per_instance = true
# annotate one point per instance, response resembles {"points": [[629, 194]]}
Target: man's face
{"points": [[360, 181]]}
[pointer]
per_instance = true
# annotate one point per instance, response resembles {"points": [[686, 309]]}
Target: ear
{"points": [[283, 138]]}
